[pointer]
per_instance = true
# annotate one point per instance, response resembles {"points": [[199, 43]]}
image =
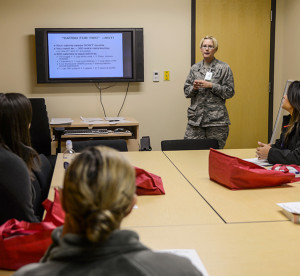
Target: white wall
{"points": [[159, 107]]}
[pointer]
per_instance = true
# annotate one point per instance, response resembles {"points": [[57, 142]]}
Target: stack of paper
{"points": [[190, 254], [114, 118], [291, 210], [61, 121], [91, 120], [259, 162]]}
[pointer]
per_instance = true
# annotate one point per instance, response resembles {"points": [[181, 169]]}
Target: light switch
{"points": [[155, 76]]}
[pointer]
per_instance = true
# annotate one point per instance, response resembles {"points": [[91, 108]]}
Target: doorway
{"points": [[243, 31]]}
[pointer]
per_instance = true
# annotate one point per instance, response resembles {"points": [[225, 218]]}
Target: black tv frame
{"points": [[41, 39]]}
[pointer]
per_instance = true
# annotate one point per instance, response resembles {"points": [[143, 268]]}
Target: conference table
{"points": [[255, 238], [177, 207], [234, 206], [239, 232]]}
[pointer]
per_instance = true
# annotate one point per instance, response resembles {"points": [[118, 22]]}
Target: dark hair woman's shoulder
{"points": [[8, 157], [12, 165]]}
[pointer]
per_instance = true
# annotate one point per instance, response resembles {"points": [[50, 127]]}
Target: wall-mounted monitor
{"points": [[68, 55]]}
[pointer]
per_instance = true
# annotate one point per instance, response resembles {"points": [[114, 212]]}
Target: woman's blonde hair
{"points": [[99, 188], [213, 39]]}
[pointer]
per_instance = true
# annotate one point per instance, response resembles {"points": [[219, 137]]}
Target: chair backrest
{"points": [[41, 183], [39, 128], [118, 144], [189, 144]]}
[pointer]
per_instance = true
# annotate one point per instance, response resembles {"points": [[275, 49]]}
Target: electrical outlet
{"points": [[166, 75]]}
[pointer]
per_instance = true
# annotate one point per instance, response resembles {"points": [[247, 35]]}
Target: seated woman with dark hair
{"points": [[286, 149], [20, 192], [99, 191]]}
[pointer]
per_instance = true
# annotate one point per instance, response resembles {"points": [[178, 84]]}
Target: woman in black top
{"points": [[18, 160], [286, 149]]}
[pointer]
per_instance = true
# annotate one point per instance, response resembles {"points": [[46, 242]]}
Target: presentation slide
{"points": [[85, 55]]}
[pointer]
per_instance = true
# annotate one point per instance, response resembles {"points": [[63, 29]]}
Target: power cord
{"points": [[97, 84], [124, 99]]}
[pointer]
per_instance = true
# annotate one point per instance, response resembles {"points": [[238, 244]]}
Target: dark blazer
{"points": [[286, 154], [17, 193]]}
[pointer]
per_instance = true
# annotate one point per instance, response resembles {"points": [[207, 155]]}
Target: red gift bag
{"points": [[55, 213], [20, 245], [148, 183], [23, 242], [236, 173]]}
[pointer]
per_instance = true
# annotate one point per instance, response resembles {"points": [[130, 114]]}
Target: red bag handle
{"points": [[284, 168]]}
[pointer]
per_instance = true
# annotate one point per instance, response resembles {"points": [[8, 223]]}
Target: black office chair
{"points": [[118, 144], [189, 144], [42, 183], [40, 130]]}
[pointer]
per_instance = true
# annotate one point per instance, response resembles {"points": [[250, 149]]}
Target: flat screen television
{"points": [[68, 55]]}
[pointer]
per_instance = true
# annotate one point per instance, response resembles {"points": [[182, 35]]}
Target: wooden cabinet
{"points": [[127, 129]]}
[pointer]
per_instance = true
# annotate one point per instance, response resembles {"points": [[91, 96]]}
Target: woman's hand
{"points": [[263, 150], [202, 84]]}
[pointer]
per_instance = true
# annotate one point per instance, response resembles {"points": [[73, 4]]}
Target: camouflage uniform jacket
{"points": [[208, 104]]}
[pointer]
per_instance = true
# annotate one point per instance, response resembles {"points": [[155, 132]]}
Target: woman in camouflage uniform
{"points": [[209, 84]]}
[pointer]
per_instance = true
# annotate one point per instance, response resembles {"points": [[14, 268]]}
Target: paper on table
{"points": [[114, 118], [91, 120], [191, 254], [292, 207], [264, 163], [259, 162], [61, 121]]}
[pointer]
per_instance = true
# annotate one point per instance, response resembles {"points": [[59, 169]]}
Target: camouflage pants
{"points": [[219, 133]]}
